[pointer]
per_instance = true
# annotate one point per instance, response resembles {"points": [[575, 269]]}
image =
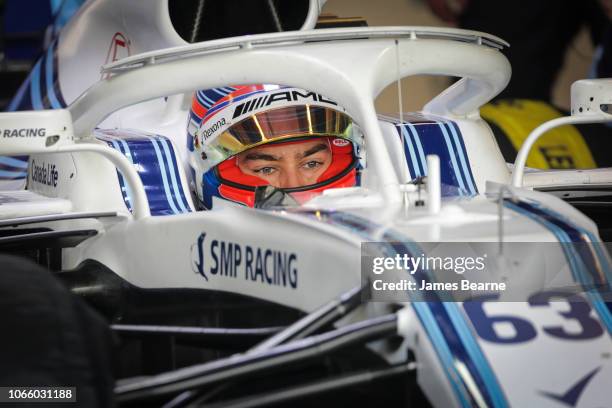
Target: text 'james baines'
{"points": [[217, 258]]}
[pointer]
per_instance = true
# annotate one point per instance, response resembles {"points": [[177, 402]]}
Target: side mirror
{"points": [[51, 131], [592, 97], [591, 103], [29, 132]]}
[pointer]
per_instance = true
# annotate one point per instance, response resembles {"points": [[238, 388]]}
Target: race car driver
{"points": [[249, 143]]}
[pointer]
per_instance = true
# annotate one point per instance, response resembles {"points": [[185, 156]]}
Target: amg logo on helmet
{"points": [[206, 133], [287, 96], [25, 132]]}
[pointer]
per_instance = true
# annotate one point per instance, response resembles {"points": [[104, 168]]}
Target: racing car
{"points": [[265, 296]]}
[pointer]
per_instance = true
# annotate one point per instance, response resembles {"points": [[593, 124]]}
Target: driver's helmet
{"points": [[230, 130]]}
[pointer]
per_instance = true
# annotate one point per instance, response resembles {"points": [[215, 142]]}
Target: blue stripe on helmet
{"points": [[210, 97], [195, 117], [216, 107], [199, 98], [222, 92], [206, 101]]}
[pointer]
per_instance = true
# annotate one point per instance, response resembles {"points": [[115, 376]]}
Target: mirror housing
{"points": [[591, 103], [29, 132], [592, 97]]}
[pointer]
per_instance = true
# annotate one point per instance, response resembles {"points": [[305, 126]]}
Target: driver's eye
{"points": [[312, 164], [265, 170]]}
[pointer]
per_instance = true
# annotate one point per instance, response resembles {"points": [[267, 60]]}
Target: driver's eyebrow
{"points": [[314, 149], [261, 156]]}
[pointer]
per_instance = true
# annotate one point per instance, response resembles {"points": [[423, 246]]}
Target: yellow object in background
{"points": [[560, 148]]}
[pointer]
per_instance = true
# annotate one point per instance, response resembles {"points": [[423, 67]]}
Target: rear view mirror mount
{"points": [[30, 132]]}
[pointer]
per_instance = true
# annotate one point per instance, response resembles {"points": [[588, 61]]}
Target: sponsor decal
{"points": [[340, 142], [208, 132], [24, 132], [281, 96], [219, 259], [571, 396], [44, 173], [558, 157]]}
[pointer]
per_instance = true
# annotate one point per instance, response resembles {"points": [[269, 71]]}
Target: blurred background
{"points": [[495, 18], [552, 44], [574, 26]]}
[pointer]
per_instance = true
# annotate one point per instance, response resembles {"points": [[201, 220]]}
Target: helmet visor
{"points": [[278, 124]]}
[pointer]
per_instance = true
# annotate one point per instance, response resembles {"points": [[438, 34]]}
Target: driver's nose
{"points": [[290, 178]]}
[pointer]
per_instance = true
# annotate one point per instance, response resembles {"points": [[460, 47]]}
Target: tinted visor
{"points": [[278, 124]]}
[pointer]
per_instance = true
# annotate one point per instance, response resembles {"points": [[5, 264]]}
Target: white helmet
{"points": [[225, 122]]}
